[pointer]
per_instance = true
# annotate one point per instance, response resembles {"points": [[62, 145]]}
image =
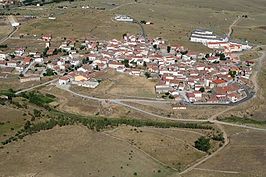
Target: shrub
{"points": [[203, 144]]}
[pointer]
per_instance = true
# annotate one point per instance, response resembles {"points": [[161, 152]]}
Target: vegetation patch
{"points": [[9, 92], [38, 98], [203, 144], [242, 120], [97, 124]]}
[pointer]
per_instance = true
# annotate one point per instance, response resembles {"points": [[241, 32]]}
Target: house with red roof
{"points": [[27, 60]]}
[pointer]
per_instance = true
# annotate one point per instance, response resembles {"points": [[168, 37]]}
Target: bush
{"points": [[10, 93], [147, 74], [38, 98], [218, 137], [3, 46], [203, 144], [49, 72]]}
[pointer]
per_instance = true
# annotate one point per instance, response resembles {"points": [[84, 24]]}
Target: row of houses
{"points": [[209, 39]]}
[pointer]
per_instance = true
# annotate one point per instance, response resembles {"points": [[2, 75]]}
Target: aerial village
{"points": [[183, 75]]}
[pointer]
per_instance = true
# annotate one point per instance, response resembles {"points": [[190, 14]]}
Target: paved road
{"points": [[119, 102], [28, 67], [211, 120]]}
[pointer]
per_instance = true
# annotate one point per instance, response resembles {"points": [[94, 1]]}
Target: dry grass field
{"points": [[173, 19], [250, 55], [11, 120], [5, 27], [12, 82], [76, 151], [76, 105], [31, 45], [245, 156], [252, 28], [129, 151], [166, 109], [166, 145], [119, 85]]}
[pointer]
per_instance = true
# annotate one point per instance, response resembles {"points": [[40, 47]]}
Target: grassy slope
{"points": [[172, 19]]}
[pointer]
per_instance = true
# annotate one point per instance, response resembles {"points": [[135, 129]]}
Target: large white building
{"points": [[123, 18], [213, 41], [205, 36]]}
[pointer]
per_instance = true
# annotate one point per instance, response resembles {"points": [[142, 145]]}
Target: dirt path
{"points": [[36, 86], [226, 142], [122, 5], [137, 148], [254, 77], [230, 29], [15, 29]]}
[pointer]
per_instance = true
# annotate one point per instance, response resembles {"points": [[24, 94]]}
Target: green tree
{"points": [[49, 72], [44, 54], [168, 49], [144, 64], [147, 74], [125, 62], [203, 144], [232, 74], [222, 56], [27, 125], [36, 113], [55, 52], [202, 89]]}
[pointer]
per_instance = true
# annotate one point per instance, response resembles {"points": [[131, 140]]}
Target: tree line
{"points": [[97, 124]]}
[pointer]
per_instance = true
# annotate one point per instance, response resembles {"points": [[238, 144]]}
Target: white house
{"points": [[19, 52], [11, 64], [63, 80], [3, 56], [115, 65], [38, 60], [75, 62]]}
